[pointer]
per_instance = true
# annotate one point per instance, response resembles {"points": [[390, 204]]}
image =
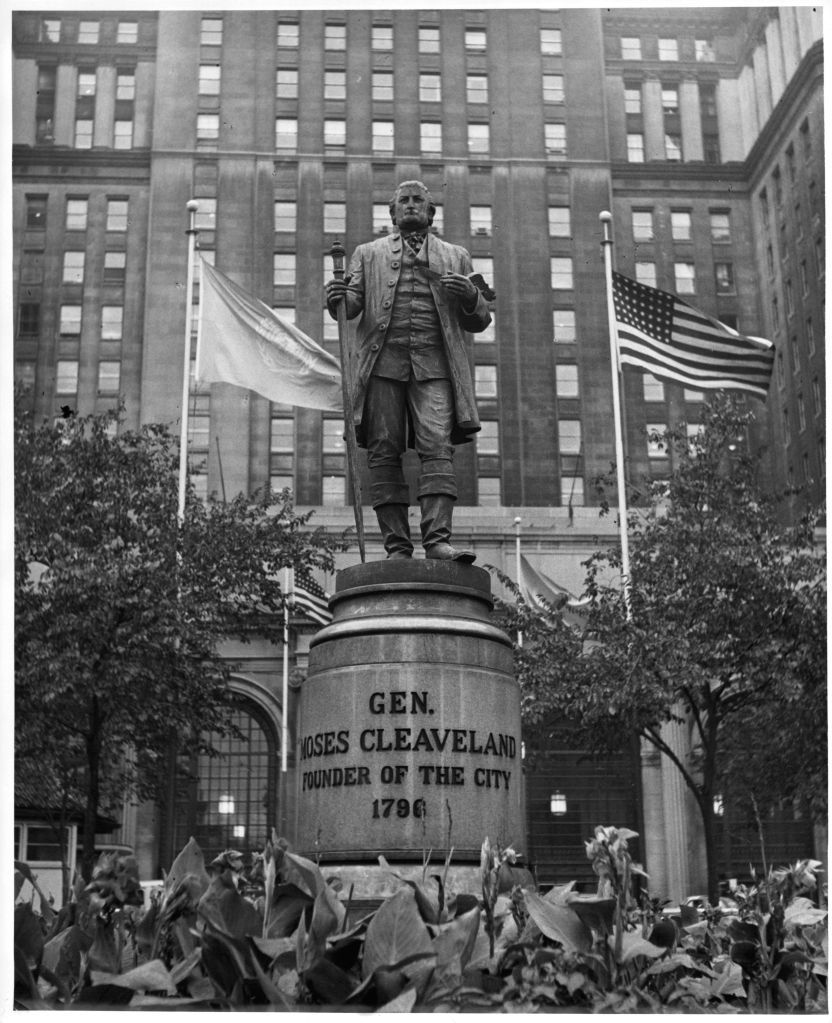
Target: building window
{"points": [[487, 335], [635, 147], [724, 277], [668, 49], [284, 270], [720, 227], [73, 272], [109, 377], [288, 34], [76, 214], [335, 135], [123, 135], [36, 211], [333, 449], [478, 138], [206, 216], [646, 273], [383, 137], [24, 374], [643, 225], [210, 32], [28, 324], [382, 86], [653, 388], [632, 99], [560, 269], [817, 404], [550, 41], [820, 256], [566, 377], [381, 218], [795, 354], [801, 413], [127, 32], [207, 127], [560, 225], [775, 313], [483, 265], [569, 436], [563, 326], [804, 278], [88, 33], [707, 101], [476, 88], [83, 134], [488, 491], [126, 85], [285, 215], [670, 100], [572, 491], [777, 182], [282, 452], [656, 448], [335, 37], [115, 265], [430, 137], [286, 135], [693, 395], [209, 79], [787, 432], [685, 276], [438, 221], [680, 225], [781, 372], [806, 136], [481, 220], [382, 37], [50, 30], [630, 48], [117, 214], [428, 40], [555, 138], [430, 88], [286, 83], [86, 83], [789, 299], [31, 267], [703, 50], [475, 39], [112, 317], [66, 377], [553, 88], [672, 146], [485, 381], [335, 217], [335, 85], [810, 336]]}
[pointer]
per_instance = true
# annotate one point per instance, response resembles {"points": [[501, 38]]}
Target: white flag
{"points": [[241, 341]]}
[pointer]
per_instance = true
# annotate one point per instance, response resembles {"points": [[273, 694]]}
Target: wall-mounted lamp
{"points": [[522, 750], [719, 807], [239, 831], [557, 804], [226, 804]]}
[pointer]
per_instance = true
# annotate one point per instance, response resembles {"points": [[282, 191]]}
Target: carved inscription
{"points": [[490, 753]]}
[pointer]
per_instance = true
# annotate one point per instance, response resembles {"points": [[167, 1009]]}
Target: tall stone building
{"points": [[700, 129]]}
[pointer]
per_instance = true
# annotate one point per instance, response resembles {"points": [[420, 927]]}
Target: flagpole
{"points": [[347, 390], [606, 219], [192, 206], [284, 742], [517, 523]]}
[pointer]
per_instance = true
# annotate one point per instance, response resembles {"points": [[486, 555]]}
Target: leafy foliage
{"points": [[278, 934], [119, 611], [726, 632]]}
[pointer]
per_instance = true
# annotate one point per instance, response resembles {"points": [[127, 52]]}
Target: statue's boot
{"points": [[437, 512], [390, 497]]}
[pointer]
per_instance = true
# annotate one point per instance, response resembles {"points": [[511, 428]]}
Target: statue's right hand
{"points": [[335, 291]]}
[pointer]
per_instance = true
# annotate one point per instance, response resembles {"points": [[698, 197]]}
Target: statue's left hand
{"points": [[459, 285]]}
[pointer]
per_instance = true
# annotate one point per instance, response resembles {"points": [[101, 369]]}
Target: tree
{"points": [[727, 634], [120, 611]]}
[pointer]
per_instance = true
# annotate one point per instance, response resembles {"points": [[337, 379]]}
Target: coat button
{"points": [[373, 348], [391, 283], [386, 303], [395, 264], [382, 326]]}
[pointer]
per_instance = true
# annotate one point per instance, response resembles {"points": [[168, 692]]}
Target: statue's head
{"points": [[412, 207]]}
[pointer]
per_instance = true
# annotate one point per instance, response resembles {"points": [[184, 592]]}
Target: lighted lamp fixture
{"points": [[719, 807], [226, 804], [557, 804], [239, 831]]}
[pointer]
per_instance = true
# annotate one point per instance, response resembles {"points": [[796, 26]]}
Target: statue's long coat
{"points": [[372, 268]]}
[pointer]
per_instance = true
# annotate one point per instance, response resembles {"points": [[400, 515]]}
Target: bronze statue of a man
{"points": [[413, 383]]}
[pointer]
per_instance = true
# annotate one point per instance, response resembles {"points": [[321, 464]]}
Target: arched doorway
{"points": [[229, 800]]}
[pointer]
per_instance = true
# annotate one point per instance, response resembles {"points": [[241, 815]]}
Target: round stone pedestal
{"points": [[409, 720]]}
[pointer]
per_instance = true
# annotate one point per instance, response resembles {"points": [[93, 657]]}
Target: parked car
{"points": [[694, 908]]}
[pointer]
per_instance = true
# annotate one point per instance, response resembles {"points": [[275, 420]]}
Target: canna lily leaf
{"points": [[152, 976], [633, 945], [560, 923], [395, 933]]}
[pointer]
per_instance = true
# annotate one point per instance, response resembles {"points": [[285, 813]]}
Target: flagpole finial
{"points": [[605, 217], [192, 205]]}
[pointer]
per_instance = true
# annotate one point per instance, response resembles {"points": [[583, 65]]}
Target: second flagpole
{"points": [[192, 207], [606, 219]]}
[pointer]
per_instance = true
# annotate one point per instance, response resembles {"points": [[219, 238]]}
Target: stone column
{"points": [[66, 85], [651, 98], [774, 51], [25, 77], [730, 120], [105, 106], [143, 105], [409, 721], [691, 119], [762, 85]]}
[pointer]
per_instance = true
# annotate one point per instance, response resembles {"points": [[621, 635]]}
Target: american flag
{"points": [[310, 599], [663, 334]]}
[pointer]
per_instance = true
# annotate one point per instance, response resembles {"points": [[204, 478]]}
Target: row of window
{"points": [[66, 377], [69, 321], [667, 48], [817, 409], [56, 30], [681, 225], [74, 266], [76, 213]]}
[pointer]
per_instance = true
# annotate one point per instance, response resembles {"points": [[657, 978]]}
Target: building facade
{"points": [[700, 129]]}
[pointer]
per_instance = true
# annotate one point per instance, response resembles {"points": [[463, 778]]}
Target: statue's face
{"points": [[411, 209]]}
